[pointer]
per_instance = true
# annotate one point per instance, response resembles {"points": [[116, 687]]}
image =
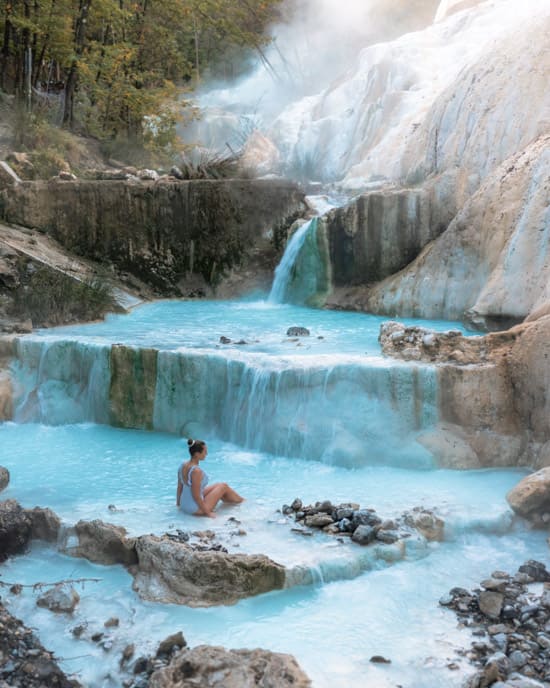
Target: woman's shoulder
{"points": [[195, 470]]}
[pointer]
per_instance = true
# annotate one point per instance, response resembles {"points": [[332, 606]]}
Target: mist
{"points": [[317, 41]]}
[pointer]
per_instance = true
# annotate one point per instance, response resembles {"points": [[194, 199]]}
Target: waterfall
{"points": [[348, 410], [351, 412], [301, 276], [59, 382]]}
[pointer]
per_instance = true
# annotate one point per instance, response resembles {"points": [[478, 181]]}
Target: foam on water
{"points": [[358, 604]]}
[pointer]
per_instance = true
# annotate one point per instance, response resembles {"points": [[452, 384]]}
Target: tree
{"points": [[118, 62]]}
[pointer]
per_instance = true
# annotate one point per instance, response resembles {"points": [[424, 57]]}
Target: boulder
{"points": [[15, 529], [530, 498], [173, 572], [4, 478], [167, 645], [60, 599], [45, 524], [217, 667], [427, 523], [103, 543], [297, 332]]}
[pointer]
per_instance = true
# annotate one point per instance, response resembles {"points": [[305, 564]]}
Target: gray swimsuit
{"points": [[187, 503]]}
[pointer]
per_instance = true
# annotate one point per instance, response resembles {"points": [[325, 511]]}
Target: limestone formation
{"points": [[172, 572], [504, 376], [380, 232], [217, 667], [102, 543], [6, 385], [15, 529], [530, 498], [133, 386], [166, 232], [479, 122], [491, 263]]}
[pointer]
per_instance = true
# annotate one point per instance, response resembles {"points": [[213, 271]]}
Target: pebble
{"points": [[516, 653]]}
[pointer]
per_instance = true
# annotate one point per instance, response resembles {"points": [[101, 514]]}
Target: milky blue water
{"points": [[318, 417], [172, 325], [363, 602]]}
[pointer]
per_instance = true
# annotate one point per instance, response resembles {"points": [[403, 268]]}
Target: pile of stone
{"points": [[24, 663], [363, 526], [413, 343], [510, 619]]}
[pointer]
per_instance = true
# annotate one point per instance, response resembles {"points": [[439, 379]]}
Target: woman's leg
{"points": [[221, 491]]}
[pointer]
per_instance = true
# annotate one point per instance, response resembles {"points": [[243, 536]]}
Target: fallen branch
{"points": [[39, 586]]}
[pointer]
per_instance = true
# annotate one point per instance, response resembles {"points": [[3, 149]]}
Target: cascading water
{"points": [[268, 404], [329, 397], [301, 276]]}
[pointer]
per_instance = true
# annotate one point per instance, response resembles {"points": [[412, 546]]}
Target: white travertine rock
{"points": [[531, 496], [446, 87], [494, 258]]}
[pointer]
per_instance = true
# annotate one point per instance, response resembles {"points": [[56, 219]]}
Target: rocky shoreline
{"points": [[509, 616], [24, 662]]}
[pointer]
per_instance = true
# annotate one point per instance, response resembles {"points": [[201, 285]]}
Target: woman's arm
{"points": [[196, 480], [179, 491]]}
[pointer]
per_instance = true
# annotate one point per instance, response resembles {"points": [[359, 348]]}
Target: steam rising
{"points": [[317, 41]]}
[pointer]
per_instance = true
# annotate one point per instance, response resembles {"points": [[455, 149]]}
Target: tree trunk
{"points": [[5, 49], [72, 79]]}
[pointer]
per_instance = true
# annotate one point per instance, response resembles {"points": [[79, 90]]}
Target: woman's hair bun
{"points": [[190, 442]]}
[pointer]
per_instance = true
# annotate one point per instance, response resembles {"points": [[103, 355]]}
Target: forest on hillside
{"points": [[105, 67]]}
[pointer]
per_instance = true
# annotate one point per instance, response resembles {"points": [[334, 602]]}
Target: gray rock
{"points": [[60, 599], [15, 529], [4, 478], [494, 584], [490, 603], [103, 543], [364, 535], [318, 520], [45, 524], [297, 332], [345, 512], [365, 517], [387, 536], [176, 640], [517, 659], [345, 526], [544, 641]]}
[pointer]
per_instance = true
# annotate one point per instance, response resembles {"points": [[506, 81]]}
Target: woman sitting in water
{"points": [[193, 496]]}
